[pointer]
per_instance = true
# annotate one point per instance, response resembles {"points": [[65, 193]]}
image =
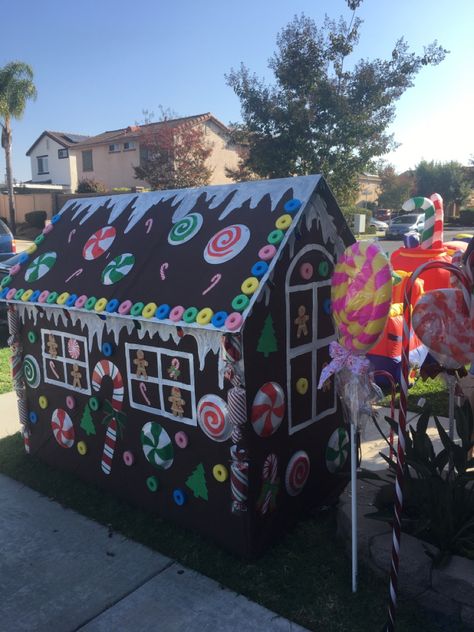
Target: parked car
{"points": [[378, 225], [382, 214], [404, 224], [7, 242]]}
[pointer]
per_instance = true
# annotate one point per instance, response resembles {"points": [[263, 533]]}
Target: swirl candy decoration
{"points": [[361, 293], [226, 244], [185, 229], [239, 479]]}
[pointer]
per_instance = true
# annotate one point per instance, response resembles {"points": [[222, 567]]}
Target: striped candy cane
{"points": [[106, 368], [239, 478], [426, 205], [439, 220], [402, 419]]}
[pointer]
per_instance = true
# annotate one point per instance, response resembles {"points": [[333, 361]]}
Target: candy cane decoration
{"points": [[402, 420], [163, 268], [74, 274], [71, 235], [439, 220], [426, 205], [52, 366], [214, 281], [269, 492], [148, 224], [142, 388], [105, 368], [239, 480]]}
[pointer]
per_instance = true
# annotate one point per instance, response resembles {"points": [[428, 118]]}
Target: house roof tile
{"points": [[65, 139]]}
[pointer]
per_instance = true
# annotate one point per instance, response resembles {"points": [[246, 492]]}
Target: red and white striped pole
{"points": [[402, 420]]}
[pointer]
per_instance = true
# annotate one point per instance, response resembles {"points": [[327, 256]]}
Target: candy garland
{"points": [[466, 287], [16, 365]]}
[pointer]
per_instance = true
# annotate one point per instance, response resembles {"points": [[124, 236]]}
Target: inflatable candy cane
{"points": [[426, 205], [439, 220], [106, 368]]}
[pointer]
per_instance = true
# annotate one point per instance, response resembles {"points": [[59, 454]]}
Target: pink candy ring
{"points": [[267, 252], [128, 458], [233, 321], [181, 439], [70, 402], [43, 296], [81, 301], [15, 269], [48, 228], [176, 313], [306, 271], [125, 307], [11, 294]]}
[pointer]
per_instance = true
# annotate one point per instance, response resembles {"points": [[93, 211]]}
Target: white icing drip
{"points": [[316, 210], [185, 199], [31, 310]]}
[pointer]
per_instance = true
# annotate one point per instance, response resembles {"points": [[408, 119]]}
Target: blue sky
{"points": [[99, 63]]}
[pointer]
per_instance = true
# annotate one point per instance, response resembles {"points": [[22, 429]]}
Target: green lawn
{"points": [[5, 378], [433, 390], [307, 577]]}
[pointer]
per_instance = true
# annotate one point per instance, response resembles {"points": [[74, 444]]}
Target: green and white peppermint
{"points": [[40, 266], [185, 229], [31, 371], [157, 446], [337, 450], [118, 268]]}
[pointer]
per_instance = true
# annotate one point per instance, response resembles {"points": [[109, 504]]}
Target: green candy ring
{"points": [[275, 236], [190, 314], [137, 309], [90, 303], [240, 302], [52, 296]]}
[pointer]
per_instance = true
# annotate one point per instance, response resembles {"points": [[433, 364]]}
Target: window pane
{"points": [[87, 160]]}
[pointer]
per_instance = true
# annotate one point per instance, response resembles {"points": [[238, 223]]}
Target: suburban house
{"points": [[52, 159], [110, 157], [369, 189]]}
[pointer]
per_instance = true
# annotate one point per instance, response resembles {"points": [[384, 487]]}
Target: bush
{"points": [[36, 219], [89, 185], [466, 216]]}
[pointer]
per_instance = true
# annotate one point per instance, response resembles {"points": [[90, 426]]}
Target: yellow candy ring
{"points": [[284, 222], [31, 249], [302, 386], [26, 295], [43, 402], [62, 298], [149, 310], [100, 305], [220, 473], [82, 448], [361, 292], [204, 317], [249, 285]]}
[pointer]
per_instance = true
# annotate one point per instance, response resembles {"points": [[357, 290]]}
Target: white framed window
{"points": [[113, 148], [87, 164], [42, 162], [162, 382], [129, 145], [307, 316], [63, 153], [65, 360]]}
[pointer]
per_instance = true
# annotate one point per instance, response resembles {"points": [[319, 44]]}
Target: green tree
{"points": [[16, 87], [173, 153], [87, 423], [446, 178], [197, 482], [319, 116], [395, 189], [267, 343]]}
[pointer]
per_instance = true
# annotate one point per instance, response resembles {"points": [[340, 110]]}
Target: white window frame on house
{"points": [[63, 153], [114, 148], [312, 347], [159, 381], [88, 152], [43, 167], [64, 360], [129, 145]]}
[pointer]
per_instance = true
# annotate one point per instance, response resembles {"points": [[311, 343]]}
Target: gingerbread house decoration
{"points": [[168, 345]]}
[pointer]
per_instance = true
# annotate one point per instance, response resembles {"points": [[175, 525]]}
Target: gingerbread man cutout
{"points": [[302, 322], [176, 402], [76, 376], [52, 346], [141, 365]]}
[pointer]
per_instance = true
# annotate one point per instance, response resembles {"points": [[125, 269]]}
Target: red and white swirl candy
{"points": [[297, 472], [98, 243], [63, 429], [268, 409], [213, 417], [226, 244]]}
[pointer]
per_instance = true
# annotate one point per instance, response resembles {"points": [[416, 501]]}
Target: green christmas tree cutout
{"points": [[267, 343], [197, 482], [87, 423]]}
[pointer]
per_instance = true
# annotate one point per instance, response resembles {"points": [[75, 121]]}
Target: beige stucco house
{"points": [[110, 157], [369, 189]]}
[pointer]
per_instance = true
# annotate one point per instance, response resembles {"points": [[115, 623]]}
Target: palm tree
{"points": [[16, 87]]}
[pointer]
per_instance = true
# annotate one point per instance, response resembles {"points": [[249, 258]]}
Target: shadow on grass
{"points": [[305, 578]]}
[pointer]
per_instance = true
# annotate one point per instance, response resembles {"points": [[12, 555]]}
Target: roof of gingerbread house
{"points": [[190, 257]]}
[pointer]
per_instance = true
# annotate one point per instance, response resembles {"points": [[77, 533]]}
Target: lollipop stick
{"points": [[354, 505]]}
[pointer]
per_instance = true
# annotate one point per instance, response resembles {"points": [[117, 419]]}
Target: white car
{"points": [[378, 225]]}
